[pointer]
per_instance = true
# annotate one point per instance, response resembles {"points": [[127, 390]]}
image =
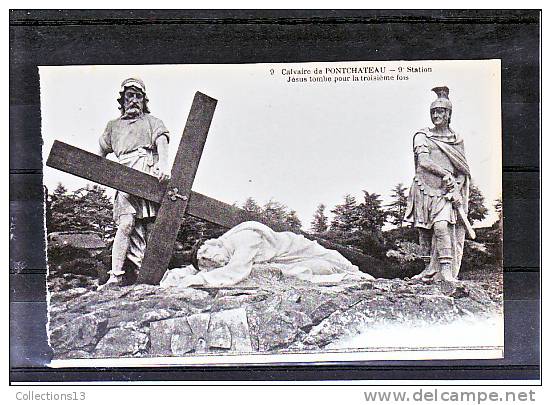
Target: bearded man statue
{"points": [[140, 141]]}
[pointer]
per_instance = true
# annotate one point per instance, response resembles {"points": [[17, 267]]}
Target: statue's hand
{"points": [[449, 182], [455, 198], [162, 173], [456, 202]]}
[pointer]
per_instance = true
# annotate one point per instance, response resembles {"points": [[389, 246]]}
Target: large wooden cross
{"points": [[176, 198]]}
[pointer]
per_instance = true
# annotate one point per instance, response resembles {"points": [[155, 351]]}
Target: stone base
{"points": [[263, 315]]}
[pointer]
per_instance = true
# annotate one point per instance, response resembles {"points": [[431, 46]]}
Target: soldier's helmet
{"points": [[442, 100]]}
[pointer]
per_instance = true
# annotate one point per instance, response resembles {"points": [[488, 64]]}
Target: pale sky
{"points": [[299, 143]]}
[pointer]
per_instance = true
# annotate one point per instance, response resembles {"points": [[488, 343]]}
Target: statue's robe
{"points": [[252, 243], [133, 141], [427, 202]]}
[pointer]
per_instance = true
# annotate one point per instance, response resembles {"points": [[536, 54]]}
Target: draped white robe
{"points": [[252, 243]]}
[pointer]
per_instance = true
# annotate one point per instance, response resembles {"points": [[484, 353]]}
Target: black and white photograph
{"points": [[273, 212]]}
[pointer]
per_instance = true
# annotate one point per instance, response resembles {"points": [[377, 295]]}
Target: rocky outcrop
{"points": [[265, 314]]}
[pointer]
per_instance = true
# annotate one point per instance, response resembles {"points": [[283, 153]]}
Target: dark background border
{"points": [[84, 37]]}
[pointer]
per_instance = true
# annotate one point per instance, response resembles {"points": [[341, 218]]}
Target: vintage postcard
{"points": [[272, 213]]}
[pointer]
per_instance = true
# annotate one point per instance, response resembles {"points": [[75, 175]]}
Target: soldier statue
{"points": [[439, 194]]}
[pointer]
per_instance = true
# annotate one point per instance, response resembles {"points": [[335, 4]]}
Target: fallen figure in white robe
{"points": [[229, 259]]}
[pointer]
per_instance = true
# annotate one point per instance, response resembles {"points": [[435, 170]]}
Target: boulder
{"points": [[121, 342], [80, 332], [276, 323], [171, 337], [266, 315], [201, 333], [229, 330], [155, 315]]}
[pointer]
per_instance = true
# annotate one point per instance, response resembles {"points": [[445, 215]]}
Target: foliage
{"points": [[345, 219], [477, 210], [405, 251], [396, 209], [250, 205], [475, 256], [60, 210], [371, 218], [292, 220], [86, 209], [319, 222], [193, 230], [405, 233], [359, 225], [498, 206], [96, 210], [354, 224], [274, 213]]}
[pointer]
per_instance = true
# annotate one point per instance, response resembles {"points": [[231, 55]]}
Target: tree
{"points": [[292, 220], [95, 210], [345, 218], [498, 206], [477, 210], [344, 226], [319, 222], [250, 205], [193, 230], [371, 218], [59, 191], [275, 212], [62, 207], [86, 209], [397, 207]]}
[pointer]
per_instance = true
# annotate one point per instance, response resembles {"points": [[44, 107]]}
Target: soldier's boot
{"points": [[446, 271], [424, 274], [426, 261]]}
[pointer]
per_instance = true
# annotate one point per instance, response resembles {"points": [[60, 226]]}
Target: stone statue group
{"points": [[437, 203]]}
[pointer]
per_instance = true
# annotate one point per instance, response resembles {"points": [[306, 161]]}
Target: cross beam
{"points": [[103, 171], [176, 198]]}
